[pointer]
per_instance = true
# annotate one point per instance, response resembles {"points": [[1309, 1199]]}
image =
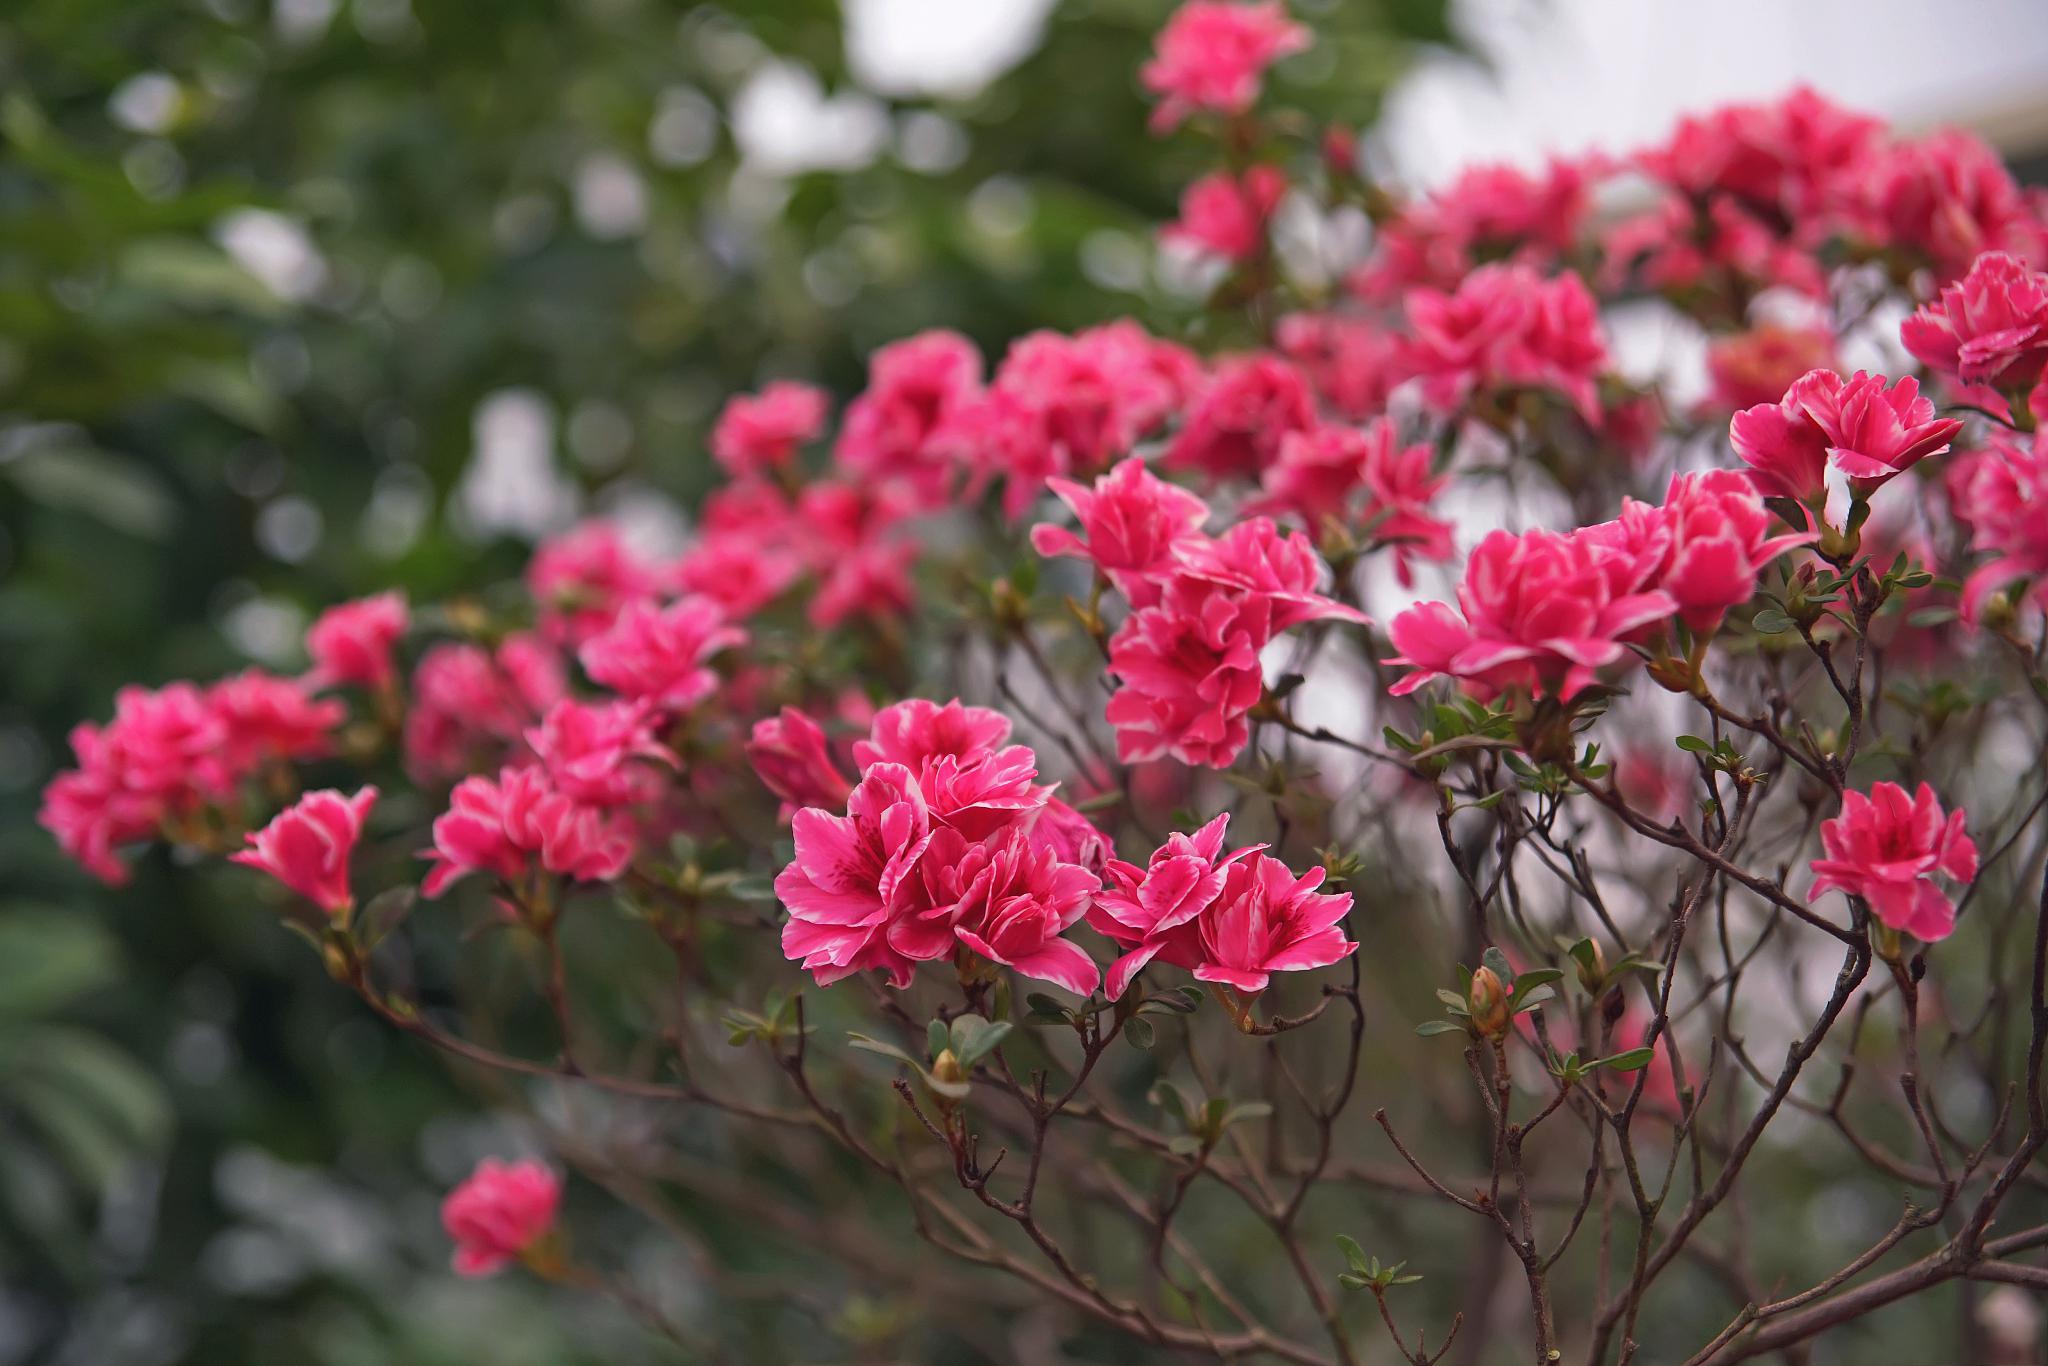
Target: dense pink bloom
{"points": [[658, 654], [1322, 474], [1870, 433], [2002, 496], [470, 705], [267, 718], [1723, 249], [1234, 428], [1188, 669], [1069, 835], [307, 846], [1705, 546], [1232, 918], [1783, 156], [1017, 900], [352, 643], [1256, 559], [1946, 199], [1226, 215], [1508, 328], [581, 580], [494, 826], [1353, 364], [499, 1213], [1540, 611], [870, 580], [970, 778], [1130, 522], [592, 751], [888, 436], [752, 511], [1212, 55], [852, 876], [1887, 848], [1066, 406], [91, 813], [1150, 911], [760, 432], [789, 755], [1489, 212], [1989, 328], [1758, 366], [739, 573]]}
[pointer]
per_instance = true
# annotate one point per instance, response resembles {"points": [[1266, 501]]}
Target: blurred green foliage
{"points": [[260, 266]]}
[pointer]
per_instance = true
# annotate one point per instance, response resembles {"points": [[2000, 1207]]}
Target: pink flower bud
{"points": [[499, 1213], [307, 846]]}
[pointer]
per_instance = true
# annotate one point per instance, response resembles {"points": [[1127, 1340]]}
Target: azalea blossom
{"points": [[495, 826], [499, 1214], [758, 433], [847, 881], [1869, 432], [659, 654], [1887, 847], [1539, 612], [1504, 328], [788, 753], [351, 644], [594, 751], [2002, 496], [308, 844], [1226, 216], [582, 579], [1989, 328], [1237, 421], [1213, 54], [1131, 520]]}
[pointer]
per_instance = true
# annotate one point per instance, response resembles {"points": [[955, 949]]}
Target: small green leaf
{"points": [[1430, 1028], [1627, 1062], [937, 1038], [1693, 744], [1771, 622], [1138, 1032]]}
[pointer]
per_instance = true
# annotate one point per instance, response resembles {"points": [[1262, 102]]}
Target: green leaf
{"points": [[936, 1038], [1498, 961], [1771, 622], [887, 1050], [1431, 1028], [382, 914], [753, 887], [1627, 1062], [1529, 982], [1693, 744], [1354, 1255], [1138, 1032]]}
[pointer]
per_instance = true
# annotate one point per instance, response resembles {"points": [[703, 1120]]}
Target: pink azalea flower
{"points": [[307, 846], [91, 811], [170, 745], [1989, 328], [969, 778], [591, 750], [1887, 847], [869, 581], [582, 579], [1212, 56], [1870, 433], [1256, 559], [1150, 911], [499, 1213], [1708, 544], [1508, 328], [658, 654], [1225, 215], [495, 826], [740, 573], [269, 718], [1541, 612], [1068, 835], [1131, 521], [1019, 903], [1234, 428], [852, 876], [1320, 475], [1756, 367], [1784, 156], [469, 705], [1491, 212], [2002, 496], [1946, 198], [789, 755], [1188, 672], [1267, 920], [914, 385], [1353, 364], [760, 432], [1065, 406], [351, 644]]}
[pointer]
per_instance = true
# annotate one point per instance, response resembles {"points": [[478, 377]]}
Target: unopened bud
{"points": [[947, 1068], [1487, 999], [1592, 969]]}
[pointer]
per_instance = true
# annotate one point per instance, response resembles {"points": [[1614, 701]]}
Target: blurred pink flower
{"points": [[351, 643], [307, 846], [757, 433], [1212, 54], [658, 654], [499, 1213]]}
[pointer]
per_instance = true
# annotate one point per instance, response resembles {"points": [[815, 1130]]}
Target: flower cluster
{"points": [[1231, 918], [948, 847]]}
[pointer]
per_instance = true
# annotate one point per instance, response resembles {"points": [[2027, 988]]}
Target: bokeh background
{"points": [[304, 298]]}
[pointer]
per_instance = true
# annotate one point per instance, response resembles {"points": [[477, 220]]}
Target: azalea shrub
{"points": [[1397, 822]]}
